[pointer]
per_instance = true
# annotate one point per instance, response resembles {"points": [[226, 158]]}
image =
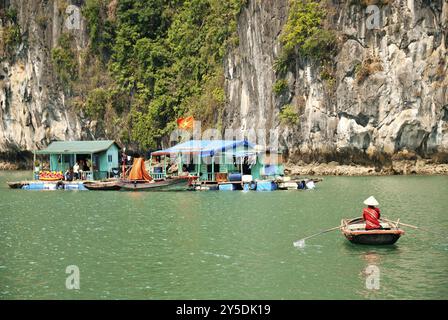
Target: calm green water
{"points": [[220, 245]]}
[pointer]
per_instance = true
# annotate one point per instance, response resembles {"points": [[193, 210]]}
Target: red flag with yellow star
{"points": [[185, 123]]}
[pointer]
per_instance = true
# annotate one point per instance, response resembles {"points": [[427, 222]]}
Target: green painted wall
{"points": [[102, 164], [114, 152], [101, 160], [56, 165]]}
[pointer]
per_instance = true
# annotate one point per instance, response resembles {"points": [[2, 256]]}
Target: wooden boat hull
{"points": [[16, 184], [355, 232], [162, 185], [103, 186], [374, 239]]}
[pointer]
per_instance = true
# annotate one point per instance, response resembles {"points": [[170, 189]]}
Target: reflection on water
{"points": [[220, 245], [372, 258]]}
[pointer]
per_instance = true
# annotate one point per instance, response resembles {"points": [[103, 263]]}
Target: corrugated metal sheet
{"points": [[79, 147]]}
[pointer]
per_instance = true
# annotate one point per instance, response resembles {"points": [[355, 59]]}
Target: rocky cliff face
{"points": [[33, 108], [389, 92]]}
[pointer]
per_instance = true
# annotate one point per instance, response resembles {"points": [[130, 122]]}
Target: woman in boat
{"points": [[371, 214]]}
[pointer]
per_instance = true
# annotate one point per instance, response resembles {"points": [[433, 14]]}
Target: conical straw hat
{"points": [[371, 201]]}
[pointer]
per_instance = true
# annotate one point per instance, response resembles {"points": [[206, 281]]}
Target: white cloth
{"points": [[310, 185]]}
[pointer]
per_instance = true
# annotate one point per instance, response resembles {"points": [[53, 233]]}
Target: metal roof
{"points": [[79, 147]]}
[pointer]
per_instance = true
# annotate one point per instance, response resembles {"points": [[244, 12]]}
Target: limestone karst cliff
{"points": [[401, 103], [33, 110]]}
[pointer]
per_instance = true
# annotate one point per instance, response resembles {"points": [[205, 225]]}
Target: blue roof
{"points": [[206, 147]]}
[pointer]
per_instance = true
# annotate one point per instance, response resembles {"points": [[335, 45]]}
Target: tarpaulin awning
{"points": [[208, 148], [138, 171]]}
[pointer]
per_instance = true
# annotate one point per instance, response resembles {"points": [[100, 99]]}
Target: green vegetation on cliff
{"points": [[289, 115], [165, 57], [305, 35], [304, 32], [64, 59], [11, 35]]}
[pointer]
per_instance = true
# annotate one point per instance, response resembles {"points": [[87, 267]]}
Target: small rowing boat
{"points": [[17, 184], [102, 185], [354, 230]]}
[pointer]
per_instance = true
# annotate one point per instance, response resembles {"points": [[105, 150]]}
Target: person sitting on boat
{"points": [[371, 214], [69, 174], [76, 170], [157, 165], [173, 168], [184, 172]]}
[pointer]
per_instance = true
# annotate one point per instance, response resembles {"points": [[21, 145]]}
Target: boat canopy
{"points": [[209, 148]]}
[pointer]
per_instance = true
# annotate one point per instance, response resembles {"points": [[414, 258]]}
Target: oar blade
{"points": [[300, 243]]}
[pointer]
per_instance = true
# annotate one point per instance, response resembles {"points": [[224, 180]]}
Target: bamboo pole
{"points": [[213, 168], [301, 243], [199, 164], [410, 226], [34, 164]]}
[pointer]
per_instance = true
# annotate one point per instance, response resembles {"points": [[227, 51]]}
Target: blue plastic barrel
{"points": [[36, 186], [226, 187], [266, 186], [235, 176]]}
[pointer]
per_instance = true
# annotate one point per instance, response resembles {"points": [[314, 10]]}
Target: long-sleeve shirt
{"points": [[371, 216]]}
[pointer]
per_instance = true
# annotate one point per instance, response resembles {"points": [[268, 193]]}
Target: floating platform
{"points": [[47, 185], [258, 185]]}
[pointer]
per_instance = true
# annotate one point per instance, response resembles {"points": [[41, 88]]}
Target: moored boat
{"points": [[103, 185], [17, 184], [166, 184], [354, 230]]}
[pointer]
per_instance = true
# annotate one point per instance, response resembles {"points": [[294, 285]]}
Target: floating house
{"points": [[218, 160], [102, 155]]}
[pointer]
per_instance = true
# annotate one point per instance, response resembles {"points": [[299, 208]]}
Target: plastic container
{"points": [[284, 179], [288, 185], [221, 177], [75, 186], [235, 176], [310, 185], [50, 186], [226, 187], [266, 186], [35, 186], [247, 178]]}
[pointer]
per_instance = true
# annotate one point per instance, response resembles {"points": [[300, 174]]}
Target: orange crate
{"points": [[221, 177]]}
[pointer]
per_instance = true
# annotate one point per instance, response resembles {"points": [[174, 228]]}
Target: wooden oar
{"points": [[301, 243], [410, 226]]}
